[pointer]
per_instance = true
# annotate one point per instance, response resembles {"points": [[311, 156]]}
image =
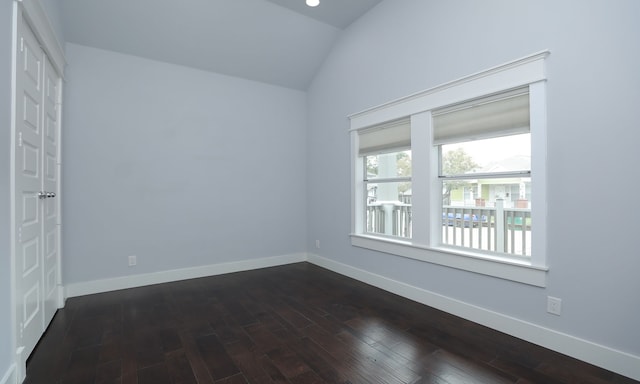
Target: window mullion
{"points": [[421, 163], [479, 175], [388, 179]]}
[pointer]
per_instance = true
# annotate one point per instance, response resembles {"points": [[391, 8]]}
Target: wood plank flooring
{"points": [[296, 324]]}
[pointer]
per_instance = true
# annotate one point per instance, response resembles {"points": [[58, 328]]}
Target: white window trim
{"points": [[530, 71]]}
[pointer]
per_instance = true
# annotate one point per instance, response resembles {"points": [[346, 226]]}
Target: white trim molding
{"points": [[140, 280], [41, 26], [514, 74], [602, 356], [426, 243], [10, 376], [488, 265]]}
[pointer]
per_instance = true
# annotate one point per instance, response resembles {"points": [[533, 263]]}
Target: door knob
{"points": [[44, 195]]}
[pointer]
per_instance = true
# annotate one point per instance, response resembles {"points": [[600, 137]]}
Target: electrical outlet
{"points": [[132, 260], [554, 305], [318, 244]]}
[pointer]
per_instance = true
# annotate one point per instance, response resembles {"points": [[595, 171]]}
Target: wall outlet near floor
{"points": [[317, 244], [554, 305], [133, 260]]}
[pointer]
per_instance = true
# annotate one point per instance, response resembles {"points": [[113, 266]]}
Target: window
{"points": [[449, 175], [385, 154], [484, 147]]}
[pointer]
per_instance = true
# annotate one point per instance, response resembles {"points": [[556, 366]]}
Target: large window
{"points": [[484, 149], [385, 154], [456, 175]]}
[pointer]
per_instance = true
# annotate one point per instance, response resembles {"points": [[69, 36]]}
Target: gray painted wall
{"points": [[52, 9], [178, 166], [6, 357], [402, 47]]}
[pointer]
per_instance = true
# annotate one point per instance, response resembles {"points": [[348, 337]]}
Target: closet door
{"points": [[50, 182], [36, 265], [28, 193]]}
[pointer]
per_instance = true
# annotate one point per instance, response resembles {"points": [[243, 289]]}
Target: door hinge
{"points": [[21, 330], [20, 234], [19, 139], [22, 44]]}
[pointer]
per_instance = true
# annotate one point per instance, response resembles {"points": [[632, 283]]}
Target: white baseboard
{"points": [[132, 281], [617, 361], [10, 376]]}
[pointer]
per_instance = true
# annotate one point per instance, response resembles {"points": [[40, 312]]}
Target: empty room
{"points": [[332, 191]]}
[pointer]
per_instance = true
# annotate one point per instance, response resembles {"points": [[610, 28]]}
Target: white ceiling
{"points": [[339, 13], [281, 42]]}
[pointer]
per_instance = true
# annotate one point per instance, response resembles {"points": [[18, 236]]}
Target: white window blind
{"points": [[384, 138], [497, 115]]}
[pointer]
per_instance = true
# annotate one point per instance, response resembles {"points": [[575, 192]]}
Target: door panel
{"points": [[31, 112], [28, 182], [31, 312], [30, 159], [50, 182], [30, 256]]}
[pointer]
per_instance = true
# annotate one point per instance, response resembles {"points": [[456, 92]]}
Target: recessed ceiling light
{"points": [[313, 3]]}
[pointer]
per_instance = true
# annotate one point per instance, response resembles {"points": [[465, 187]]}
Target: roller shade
{"points": [[388, 137], [498, 115]]}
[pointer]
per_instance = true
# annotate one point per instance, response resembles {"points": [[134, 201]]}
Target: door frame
{"points": [[31, 12]]}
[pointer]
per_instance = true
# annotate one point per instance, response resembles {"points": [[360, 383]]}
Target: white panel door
{"points": [[28, 183], [37, 133], [50, 235]]}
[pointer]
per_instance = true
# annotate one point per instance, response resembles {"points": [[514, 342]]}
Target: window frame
{"points": [[427, 212], [380, 180], [501, 239]]}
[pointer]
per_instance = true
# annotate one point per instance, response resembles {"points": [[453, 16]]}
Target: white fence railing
{"points": [[400, 223], [496, 229]]}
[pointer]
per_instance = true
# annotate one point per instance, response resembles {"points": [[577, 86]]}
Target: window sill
{"points": [[513, 270]]}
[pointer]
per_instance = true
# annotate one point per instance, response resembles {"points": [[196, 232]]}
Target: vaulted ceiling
{"points": [[280, 42]]}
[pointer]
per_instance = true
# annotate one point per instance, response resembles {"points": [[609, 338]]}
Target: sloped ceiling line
{"points": [[280, 42]]}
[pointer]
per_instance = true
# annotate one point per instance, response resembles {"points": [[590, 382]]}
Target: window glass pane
{"points": [[389, 165], [388, 208], [500, 154], [488, 214]]}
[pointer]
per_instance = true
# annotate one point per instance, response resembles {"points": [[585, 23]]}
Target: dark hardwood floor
{"points": [[297, 324]]}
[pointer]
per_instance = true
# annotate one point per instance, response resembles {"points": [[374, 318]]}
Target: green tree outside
{"points": [[455, 162]]}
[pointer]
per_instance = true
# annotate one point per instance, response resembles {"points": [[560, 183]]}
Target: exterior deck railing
{"points": [[400, 223], [496, 229]]}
